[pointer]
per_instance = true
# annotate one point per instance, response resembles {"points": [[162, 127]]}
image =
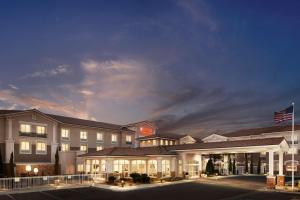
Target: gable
{"points": [[187, 140], [214, 138]]}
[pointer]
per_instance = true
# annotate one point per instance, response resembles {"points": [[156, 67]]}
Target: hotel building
{"points": [[94, 147]]}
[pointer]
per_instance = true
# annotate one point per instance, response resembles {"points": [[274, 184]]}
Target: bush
{"points": [[140, 178], [145, 178], [209, 167], [111, 179], [136, 177]]}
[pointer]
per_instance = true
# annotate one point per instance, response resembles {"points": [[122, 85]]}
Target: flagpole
{"points": [[293, 144]]}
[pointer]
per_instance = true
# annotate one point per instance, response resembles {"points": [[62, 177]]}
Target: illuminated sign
{"points": [[289, 168], [145, 131]]}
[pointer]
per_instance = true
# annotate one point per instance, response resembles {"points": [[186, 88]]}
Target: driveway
{"points": [[184, 191]]}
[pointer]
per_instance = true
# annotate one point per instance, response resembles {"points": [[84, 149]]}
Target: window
{"points": [[65, 147], [41, 148], [25, 128], [171, 142], [41, 130], [25, 147], [128, 139], [152, 167], [121, 166], [103, 163], [99, 137], [88, 166], [83, 135], [99, 147], [138, 166], [161, 142], [80, 168], [166, 142], [154, 142], [166, 168], [65, 134], [83, 147], [114, 138]]}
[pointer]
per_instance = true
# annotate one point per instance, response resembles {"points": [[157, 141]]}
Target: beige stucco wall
{"points": [[2, 130], [40, 120], [92, 143]]}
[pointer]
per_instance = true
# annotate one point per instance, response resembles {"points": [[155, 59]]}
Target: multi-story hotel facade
{"points": [[94, 147]]}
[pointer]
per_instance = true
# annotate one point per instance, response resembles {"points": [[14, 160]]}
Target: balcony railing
{"points": [[32, 134]]}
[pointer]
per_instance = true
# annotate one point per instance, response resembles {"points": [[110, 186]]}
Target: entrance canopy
{"points": [[238, 146]]}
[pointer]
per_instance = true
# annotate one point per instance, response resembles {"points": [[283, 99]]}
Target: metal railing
{"points": [[50, 181]]}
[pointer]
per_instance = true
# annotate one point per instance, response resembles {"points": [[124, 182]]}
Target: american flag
{"points": [[284, 115]]}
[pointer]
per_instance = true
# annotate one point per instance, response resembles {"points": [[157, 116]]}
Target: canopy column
{"points": [[280, 176], [271, 179]]}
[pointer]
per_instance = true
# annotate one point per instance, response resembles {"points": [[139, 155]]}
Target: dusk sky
{"points": [[193, 67]]}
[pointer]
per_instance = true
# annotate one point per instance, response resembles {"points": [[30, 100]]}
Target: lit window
{"points": [[99, 148], [83, 147], [161, 142], [41, 130], [149, 141], [25, 128], [99, 137], [41, 147], [80, 168], [166, 142], [128, 139], [83, 135], [171, 142], [114, 138], [154, 142], [65, 147], [25, 147], [65, 134]]}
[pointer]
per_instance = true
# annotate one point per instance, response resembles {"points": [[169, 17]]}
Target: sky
{"points": [[191, 66]]}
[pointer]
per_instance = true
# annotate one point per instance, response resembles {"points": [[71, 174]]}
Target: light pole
{"points": [[28, 169]]}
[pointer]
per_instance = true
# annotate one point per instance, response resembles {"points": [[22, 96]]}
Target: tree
{"points": [[56, 165], [251, 163], [258, 165], [1, 165], [233, 167], [229, 166], [11, 165], [246, 163], [209, 167]]}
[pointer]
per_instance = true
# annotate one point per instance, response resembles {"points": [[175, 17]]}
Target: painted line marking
{"points": [[11, 197]]}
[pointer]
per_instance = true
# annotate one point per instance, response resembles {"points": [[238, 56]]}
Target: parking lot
{"points": [[223, 190]]}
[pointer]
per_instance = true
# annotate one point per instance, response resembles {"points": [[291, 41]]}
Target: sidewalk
{"points": [[138, 187]]}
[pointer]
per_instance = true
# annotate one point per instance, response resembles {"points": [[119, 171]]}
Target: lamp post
{"points": [[36, 171], [28, 169]]}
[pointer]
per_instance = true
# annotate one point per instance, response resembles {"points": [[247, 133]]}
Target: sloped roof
{"points": [[128, 151], [228, 144], [5, 112], [83, 122], [258, 131], [163, 136], [71, 120]]}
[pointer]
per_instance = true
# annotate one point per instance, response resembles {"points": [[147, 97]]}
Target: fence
{"points": [[46, 181]]}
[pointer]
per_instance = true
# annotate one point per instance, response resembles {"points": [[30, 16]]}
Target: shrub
{"points": [[145, 178], [140, 178], [209, 167], [136, 177], [111, 179]]}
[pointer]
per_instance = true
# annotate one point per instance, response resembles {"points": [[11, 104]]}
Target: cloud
{"points": [[199, 12], [59, 70], [13, 87], [18, 99]]}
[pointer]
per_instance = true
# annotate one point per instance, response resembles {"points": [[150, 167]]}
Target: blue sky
{"points": [[192, 66]]}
